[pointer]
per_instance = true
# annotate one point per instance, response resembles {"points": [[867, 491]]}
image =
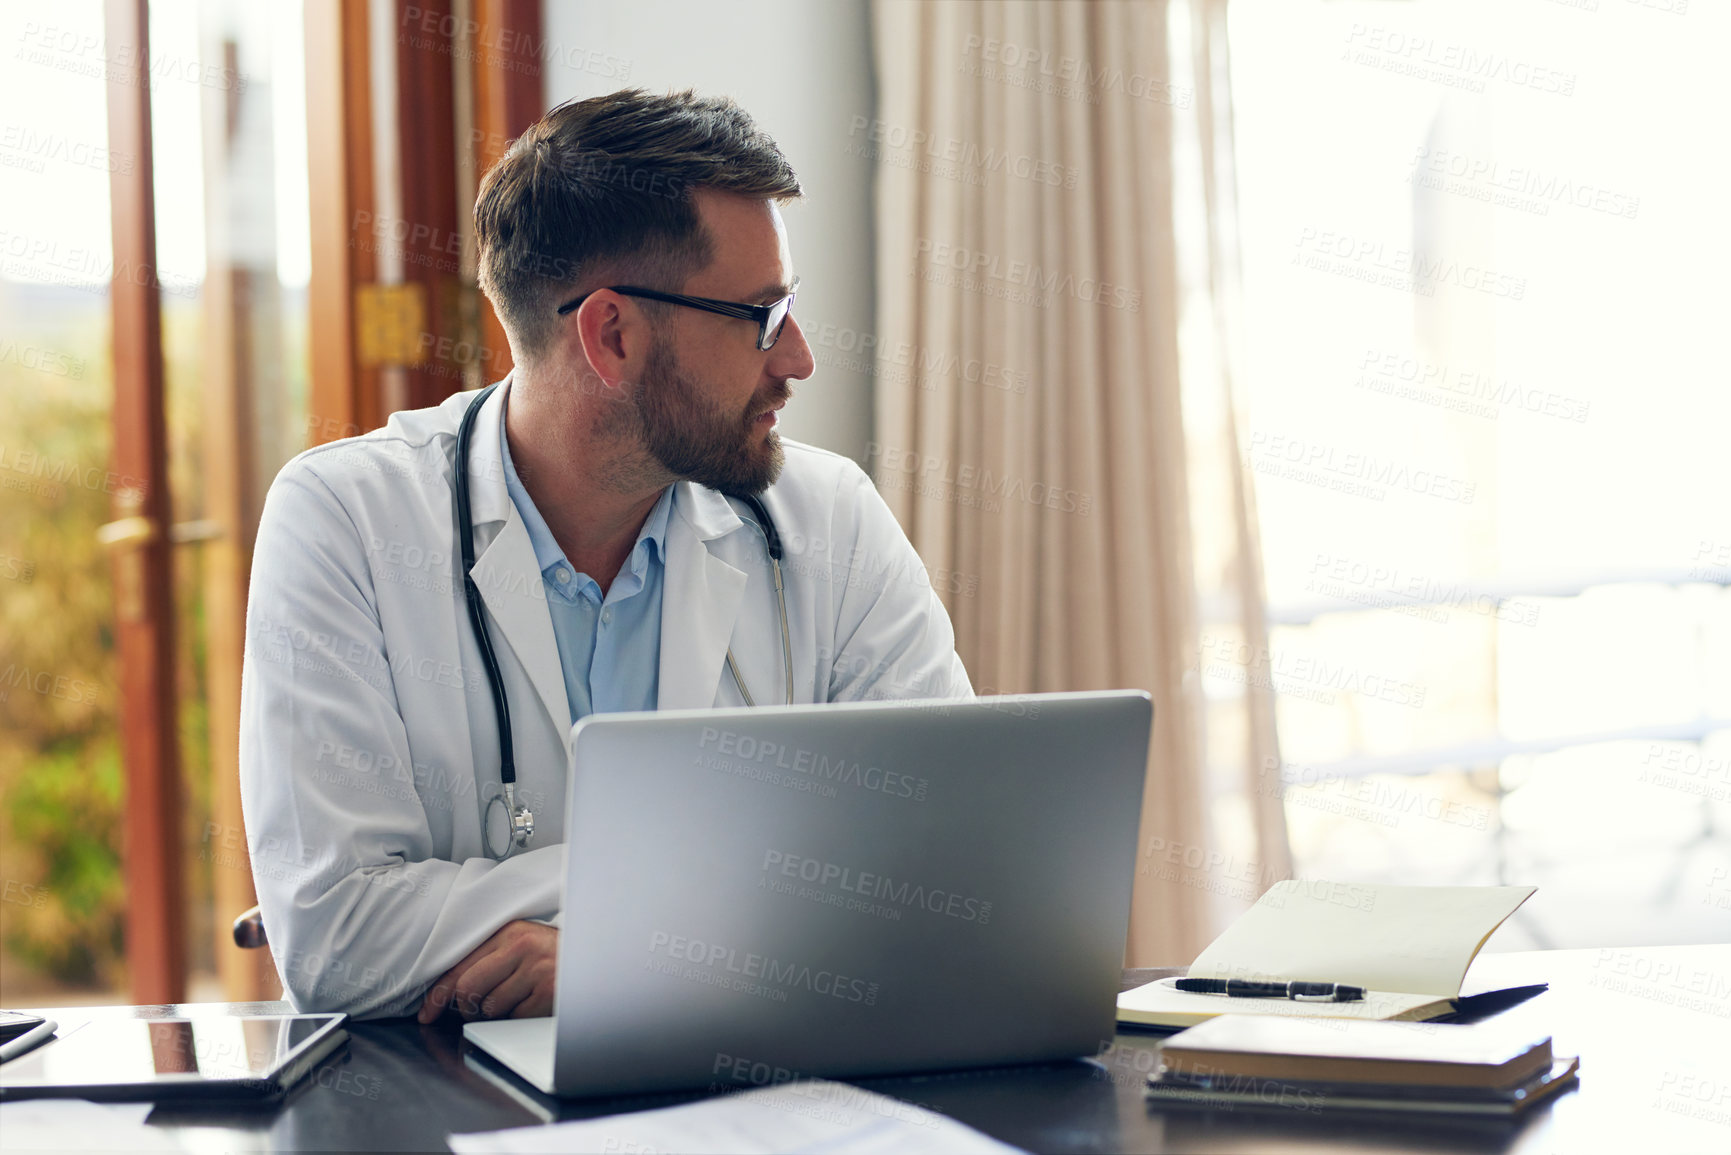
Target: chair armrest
{"points": [[249, 930]]}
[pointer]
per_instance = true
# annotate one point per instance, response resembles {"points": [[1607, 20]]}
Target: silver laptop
{"points": [[838, 891]]}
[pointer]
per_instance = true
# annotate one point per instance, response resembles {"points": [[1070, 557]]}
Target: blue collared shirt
{"points": [[610, 649]]}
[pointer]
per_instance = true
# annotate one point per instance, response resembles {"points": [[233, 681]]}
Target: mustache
{"points": [[776, 398]]}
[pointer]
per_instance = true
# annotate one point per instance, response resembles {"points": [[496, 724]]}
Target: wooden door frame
{"points": [[510, 95], [344, 398], [501, 42], [144, 595]]}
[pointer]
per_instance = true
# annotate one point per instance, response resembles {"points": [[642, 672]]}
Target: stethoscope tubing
{"points": [[521, 821]]}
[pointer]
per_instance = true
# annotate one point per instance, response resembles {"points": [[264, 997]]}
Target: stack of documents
{"points": [[1319, 1065], [810, 1115], [78, 1125]]}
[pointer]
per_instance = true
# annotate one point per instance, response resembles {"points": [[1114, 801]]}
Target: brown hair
{"points": [[605, 185]]}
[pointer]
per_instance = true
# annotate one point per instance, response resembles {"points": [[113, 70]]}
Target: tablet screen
{"points": [[129, 1052]]}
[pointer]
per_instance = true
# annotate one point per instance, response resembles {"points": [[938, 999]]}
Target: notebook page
{"points": [[1418, 939], [1163, 1004]]}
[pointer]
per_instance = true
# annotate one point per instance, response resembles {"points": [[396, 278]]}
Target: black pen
{"points": [[1244, 989]]}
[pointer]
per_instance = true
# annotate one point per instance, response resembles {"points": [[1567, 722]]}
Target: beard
{"points": [[698, 440]]}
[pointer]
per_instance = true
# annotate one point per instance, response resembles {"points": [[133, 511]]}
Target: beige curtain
{"points": [[1065, 464]]}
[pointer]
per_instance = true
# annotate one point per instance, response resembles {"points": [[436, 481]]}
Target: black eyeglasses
{"points": [[771, 318]]}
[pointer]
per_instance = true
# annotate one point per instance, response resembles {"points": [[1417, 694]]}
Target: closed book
{"points": [[1486, 1056], [1249, 1092]]}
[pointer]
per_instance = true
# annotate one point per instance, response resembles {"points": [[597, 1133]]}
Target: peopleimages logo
{"points": [[1463, 389], [1041, 284], [967, 154], [720, 960], [968, 484], [871, 886], [46, 683], [743, 748]]}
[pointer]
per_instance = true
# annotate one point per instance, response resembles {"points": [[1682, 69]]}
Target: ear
{"points": [[613, 336]]}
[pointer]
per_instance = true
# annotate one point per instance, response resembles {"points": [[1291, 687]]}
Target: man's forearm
{"points": [[373, 943]]}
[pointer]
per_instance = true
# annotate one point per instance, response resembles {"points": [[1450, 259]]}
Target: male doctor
{"points": [[615, 572]]}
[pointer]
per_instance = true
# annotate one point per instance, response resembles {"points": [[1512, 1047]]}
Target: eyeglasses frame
{"points": [[759, 313]]}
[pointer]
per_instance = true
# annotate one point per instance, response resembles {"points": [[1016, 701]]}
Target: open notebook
{"points": [[1408, 946]]}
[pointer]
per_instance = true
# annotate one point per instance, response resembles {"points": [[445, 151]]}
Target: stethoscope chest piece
{"points": [[520, 822]]}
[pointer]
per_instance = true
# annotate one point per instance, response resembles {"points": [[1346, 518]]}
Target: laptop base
{"points": [[524, 1045]]}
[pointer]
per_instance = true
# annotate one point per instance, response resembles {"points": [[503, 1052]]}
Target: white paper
{"points": [[810, 1115], [79, 1125], [1416, 939]]}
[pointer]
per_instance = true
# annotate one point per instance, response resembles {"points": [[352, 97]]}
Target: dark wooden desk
{"points": [[1652, 1026]]}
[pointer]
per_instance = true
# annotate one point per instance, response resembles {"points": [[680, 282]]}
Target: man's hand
{"points": [[510, 975]]}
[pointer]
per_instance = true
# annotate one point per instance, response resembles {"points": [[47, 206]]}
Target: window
{"points": [[60, 768], [1484, 247]]}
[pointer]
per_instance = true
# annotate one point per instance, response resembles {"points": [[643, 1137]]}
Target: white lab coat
{"points": [[368, 742]]}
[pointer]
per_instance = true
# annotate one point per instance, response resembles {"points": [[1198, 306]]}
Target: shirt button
{"points": [[606, 617], [563, 574]]}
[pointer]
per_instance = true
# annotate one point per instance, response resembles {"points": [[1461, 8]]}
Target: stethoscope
{"points": [[521, 820]]}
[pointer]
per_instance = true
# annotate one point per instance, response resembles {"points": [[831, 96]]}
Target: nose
{"points": [[791, 357]]}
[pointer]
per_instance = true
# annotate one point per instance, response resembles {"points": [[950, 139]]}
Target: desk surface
{"points": [[1652, 1026]]}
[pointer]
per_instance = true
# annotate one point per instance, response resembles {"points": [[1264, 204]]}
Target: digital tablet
{"points": [[15, 1023], [201, 1057]]}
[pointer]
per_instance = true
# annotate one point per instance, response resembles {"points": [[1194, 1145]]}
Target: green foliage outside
{"points": [[61, 782]]}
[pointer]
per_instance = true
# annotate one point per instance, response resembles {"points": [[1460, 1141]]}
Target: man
{"points": [[615, 573]]}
